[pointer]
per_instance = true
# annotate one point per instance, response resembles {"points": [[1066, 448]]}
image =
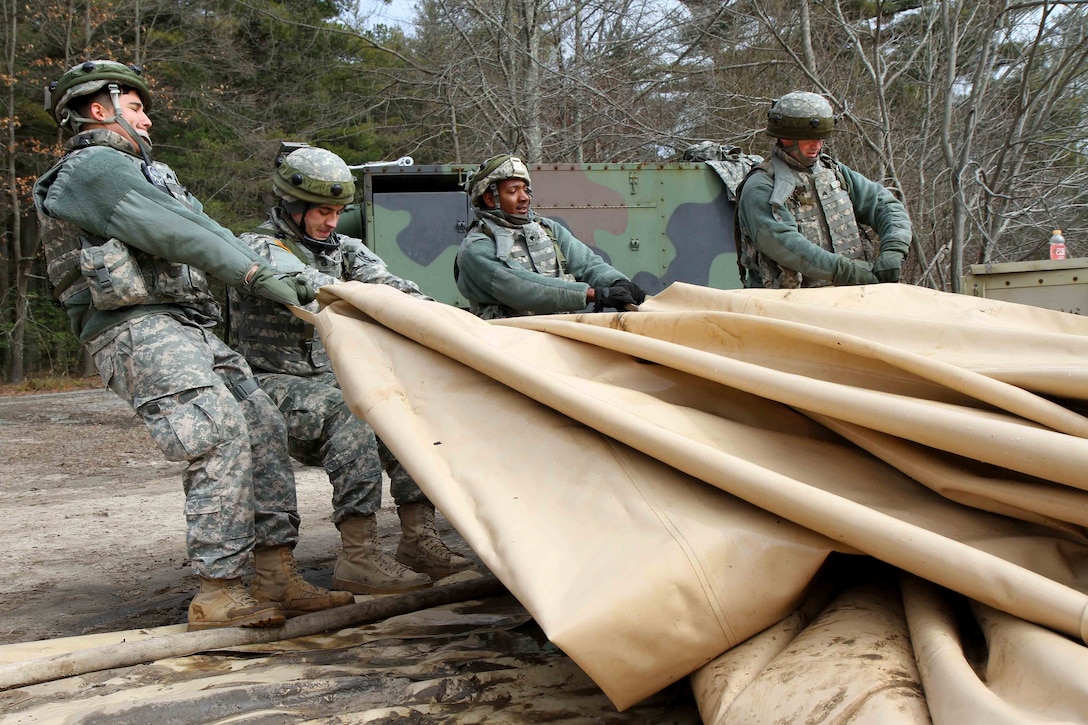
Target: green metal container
{"points": [[657, 223]]}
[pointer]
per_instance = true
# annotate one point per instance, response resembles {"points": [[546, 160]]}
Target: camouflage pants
{"points": [[322, 431], [239, 486]]}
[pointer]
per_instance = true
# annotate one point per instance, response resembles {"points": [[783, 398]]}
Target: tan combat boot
{"points": [[363, 568], [421, 548], [226, 603], [278, 580]]}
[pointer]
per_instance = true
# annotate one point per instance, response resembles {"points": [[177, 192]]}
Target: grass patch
{"points": [[50, 384]]}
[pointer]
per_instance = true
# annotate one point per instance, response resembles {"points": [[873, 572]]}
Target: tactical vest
{"points": [[272, 339], [531, 246], [109, 274], [821, 206]]}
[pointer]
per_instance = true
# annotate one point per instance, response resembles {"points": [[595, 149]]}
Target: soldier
{"points": [[513, 262], [312, 186], [798, 211], [125, 246]]}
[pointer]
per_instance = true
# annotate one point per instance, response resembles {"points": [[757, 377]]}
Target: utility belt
{"points": [[281, 348]]}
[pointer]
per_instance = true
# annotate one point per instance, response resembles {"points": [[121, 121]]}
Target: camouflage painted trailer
{"points": [[658, 223]]}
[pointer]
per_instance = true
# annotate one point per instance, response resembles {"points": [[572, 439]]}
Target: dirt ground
{"points": [[94, 534]]}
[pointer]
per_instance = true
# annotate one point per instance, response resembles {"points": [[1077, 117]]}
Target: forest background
{"points": [[972, 111]]}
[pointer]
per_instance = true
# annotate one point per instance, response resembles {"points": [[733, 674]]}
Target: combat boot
{"points": [[226, 603], [363, 568], [421, 548], [278, 580]]}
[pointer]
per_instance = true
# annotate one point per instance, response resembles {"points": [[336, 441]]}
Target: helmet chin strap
{"points": [[285, 216], [497, 210], [794, 152], [493, 189], [142, 142]]}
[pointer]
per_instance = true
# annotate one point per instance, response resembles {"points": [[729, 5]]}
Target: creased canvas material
{"points": [[658, 487]]}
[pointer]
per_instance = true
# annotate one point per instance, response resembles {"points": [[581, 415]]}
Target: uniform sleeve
{"points": [[106, 195], [779, 238], [283, 261], [876, 206], [582, 262], [486, 279]]}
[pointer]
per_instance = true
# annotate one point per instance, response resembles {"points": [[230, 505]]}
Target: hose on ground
{"points": [[125, 654]]}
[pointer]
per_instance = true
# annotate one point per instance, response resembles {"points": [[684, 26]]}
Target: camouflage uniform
{"points": [[507, 270], [154, 344], [798, 225], [292, 366]]}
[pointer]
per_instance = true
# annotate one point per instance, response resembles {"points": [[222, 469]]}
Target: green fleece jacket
{"points": [[487, 280], [779, 239], [103, 191]]}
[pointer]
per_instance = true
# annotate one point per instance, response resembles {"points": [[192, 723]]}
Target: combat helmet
{"points": [[88, 78], [307, 177], [494, 170], [800, 115], [314, 176]]}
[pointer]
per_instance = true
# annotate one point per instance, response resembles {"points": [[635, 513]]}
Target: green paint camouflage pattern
{"points": [[658, 223]]}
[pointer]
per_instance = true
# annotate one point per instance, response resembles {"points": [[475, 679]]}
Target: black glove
{"points": [[888, 266], [852, 271], [616, 297], [291, 291], [633, 288]]}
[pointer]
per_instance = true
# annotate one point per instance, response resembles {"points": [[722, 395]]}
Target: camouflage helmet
{"points": [[315, 176], [800, 115], [89, 78], [494, 170]]}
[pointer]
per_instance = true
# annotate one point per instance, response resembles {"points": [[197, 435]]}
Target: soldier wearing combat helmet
{"points": [[798, 212], [513, 262], [127, 248], [312, 187]]}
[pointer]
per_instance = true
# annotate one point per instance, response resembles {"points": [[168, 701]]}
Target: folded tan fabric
{"points": [[657, 487]]}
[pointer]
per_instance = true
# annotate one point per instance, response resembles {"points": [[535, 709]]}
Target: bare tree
{"points": [[972, 112], [551, 79]]}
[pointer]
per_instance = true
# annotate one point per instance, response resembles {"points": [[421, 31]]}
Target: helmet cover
{"points": [[89, 78], [800, 115], [314, 175], [496, 169]]}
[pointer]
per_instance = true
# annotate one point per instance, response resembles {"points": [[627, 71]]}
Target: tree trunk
{"points": [[20, 264]]}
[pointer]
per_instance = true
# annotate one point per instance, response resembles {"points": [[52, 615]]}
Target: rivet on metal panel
{"points": [[633, 244]]}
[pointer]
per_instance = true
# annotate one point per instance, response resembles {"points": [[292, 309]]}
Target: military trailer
{"points": [[658, 223], [1058, 284]]}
